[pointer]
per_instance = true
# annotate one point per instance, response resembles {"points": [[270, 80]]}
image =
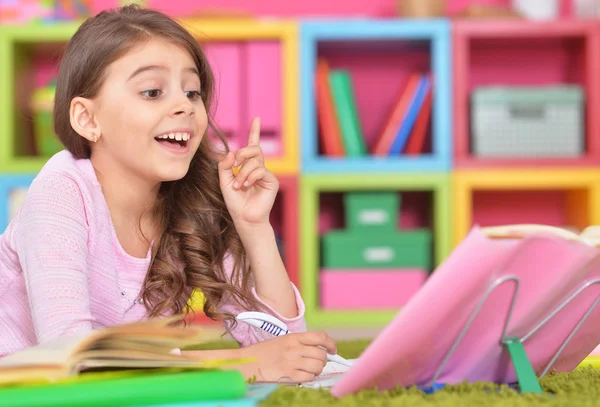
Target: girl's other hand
{"points": [[293, 357]]}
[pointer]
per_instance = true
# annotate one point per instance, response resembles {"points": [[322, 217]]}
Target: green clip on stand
{"points": [[528, 381], [526, 376]]}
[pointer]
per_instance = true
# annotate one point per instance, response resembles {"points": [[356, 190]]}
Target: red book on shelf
{"points": [[416, 140], [405, 98], [331, 136]]}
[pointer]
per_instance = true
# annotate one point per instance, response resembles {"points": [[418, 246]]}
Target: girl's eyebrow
{"points": [[146, 68]]}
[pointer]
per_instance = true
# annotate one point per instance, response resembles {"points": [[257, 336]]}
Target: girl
{"points": [[140, 209]]}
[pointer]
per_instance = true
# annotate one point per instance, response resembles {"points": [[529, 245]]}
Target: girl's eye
{"points": [[151, 93], [193, 94]]}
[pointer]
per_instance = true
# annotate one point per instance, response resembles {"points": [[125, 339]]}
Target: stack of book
{"points": [[404, 131]]}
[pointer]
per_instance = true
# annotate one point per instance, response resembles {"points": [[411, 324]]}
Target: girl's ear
{"points": [[82, 119]]}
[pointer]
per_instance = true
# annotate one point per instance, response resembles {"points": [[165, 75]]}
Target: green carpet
{"points": [[579, 388]]}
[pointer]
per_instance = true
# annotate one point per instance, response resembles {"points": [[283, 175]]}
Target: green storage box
{"points": [[372, 210], [349, 249], [46, 142]]}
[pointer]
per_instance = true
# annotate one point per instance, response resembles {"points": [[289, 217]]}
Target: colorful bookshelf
{"points": [[268, 66], [513, 53], [379, 56], [265, 51], [425, 199], [11, 194], [559, 197]]}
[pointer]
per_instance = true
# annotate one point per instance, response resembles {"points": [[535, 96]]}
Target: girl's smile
{"points": [[176, 140]]}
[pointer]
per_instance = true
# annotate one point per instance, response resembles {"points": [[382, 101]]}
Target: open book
{"points": [[152, 343]]}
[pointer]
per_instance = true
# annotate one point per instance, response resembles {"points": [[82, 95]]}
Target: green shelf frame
{"points": [[310, 188], [9, 37]]}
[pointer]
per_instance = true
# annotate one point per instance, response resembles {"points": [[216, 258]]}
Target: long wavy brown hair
{"points": [[195, 227]]}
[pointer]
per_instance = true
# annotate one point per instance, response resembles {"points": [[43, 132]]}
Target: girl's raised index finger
{"points": [[254, 136]]}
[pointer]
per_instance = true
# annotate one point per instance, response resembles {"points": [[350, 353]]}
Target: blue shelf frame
{"points": [[438, 33], [8, 182]]}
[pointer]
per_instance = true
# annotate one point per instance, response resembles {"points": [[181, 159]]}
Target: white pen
{"points": [[276, 327]]}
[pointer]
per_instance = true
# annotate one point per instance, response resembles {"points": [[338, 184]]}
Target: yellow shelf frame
{"points": [[582, 185], [287, 32]]}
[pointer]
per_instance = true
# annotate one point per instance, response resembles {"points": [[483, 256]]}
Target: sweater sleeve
{"points": [[247, 335], [51, 241]]}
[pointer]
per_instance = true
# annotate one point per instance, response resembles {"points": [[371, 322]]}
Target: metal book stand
{"points": [[526, 376]]}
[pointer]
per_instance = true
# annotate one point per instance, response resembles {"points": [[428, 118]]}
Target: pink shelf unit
{"points": [[562, 208], [247, 84], [369, 289], [525, 53]]}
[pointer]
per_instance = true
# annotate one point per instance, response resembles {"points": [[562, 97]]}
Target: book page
{"points": [[53, 353], [18, 375], [331, 374], [142, 360], [145, 344], [522, 230], [154, 332], [61, 351], [592, 234]]}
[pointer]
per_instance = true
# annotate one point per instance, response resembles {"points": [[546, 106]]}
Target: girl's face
{"points": [[150, 113]]}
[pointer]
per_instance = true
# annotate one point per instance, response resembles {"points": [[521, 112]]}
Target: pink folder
{"points": [[453, 328]]}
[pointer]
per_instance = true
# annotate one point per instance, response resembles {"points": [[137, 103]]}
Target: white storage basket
{"points": [[528, 122]]}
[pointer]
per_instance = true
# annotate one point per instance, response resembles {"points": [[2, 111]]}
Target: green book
{"points": [[141, 388], [347, 113]]}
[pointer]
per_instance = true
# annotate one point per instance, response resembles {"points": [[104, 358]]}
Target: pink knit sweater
{"points": [[63, 271]]}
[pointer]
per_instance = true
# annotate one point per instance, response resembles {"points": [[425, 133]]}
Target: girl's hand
{"points": [[250, 194], [290, 358]]}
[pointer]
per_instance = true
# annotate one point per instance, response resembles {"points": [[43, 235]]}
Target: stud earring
{"points": [[95, 137]]}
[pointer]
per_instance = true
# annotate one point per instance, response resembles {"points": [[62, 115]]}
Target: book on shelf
{"points": [[401, 128], [405, 128], [331, 135], [149, 344], [416, 141], [396, 116], [347, 112]]}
